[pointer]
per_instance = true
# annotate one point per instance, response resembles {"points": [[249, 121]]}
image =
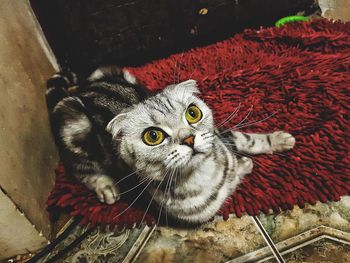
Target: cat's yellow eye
{"points": [[153, 136], [193, 114]]}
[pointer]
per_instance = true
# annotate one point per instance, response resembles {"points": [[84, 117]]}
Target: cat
{"points": [[111, 124]]}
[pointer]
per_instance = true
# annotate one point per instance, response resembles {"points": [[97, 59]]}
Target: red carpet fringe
{"points": [[295, 78]]}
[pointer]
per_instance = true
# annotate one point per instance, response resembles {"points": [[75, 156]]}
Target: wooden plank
{"points": [[28, 155], [17, 234]]}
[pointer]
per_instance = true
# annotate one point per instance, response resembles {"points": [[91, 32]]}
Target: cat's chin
{"points": [[190, 162], [195, 160]]}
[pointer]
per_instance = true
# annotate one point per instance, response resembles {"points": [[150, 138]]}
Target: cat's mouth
{"points": [[196, 152], [196, 157], [191, 159]]}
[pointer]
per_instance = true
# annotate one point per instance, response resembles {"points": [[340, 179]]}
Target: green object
{"points": [[290, 19]]}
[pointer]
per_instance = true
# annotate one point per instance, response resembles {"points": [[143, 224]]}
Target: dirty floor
{"points": [[319, 233]]}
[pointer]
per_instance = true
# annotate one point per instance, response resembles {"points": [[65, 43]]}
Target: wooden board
{"points": [[28, 155]]}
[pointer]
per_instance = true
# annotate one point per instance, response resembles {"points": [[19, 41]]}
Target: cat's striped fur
{"points": [[79, 115], [189, 174]]}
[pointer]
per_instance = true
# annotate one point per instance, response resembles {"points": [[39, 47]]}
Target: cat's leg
{"points": [[94, 177], [81, 149], [260, 143], [79, 145]]}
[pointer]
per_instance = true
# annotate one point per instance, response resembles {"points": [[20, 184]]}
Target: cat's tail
{"points": [[59, 86]]}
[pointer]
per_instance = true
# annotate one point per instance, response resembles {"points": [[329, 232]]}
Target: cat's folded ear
{"points": [[188, 86], [115, 125]]}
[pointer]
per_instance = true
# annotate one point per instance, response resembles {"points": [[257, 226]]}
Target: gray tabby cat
{"points": [[168, 139]]}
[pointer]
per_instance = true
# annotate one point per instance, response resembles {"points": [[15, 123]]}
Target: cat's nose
{"points": [[189, 141]]}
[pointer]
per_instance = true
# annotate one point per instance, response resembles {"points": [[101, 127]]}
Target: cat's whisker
{"points": [[246, 117], [255, 122], [230, 143], [167, 198], [134, 172], [241, 122], [243, 154], [230, 117], [136, 186], [127, 176], [162, 202], [175, 182], [169, 190], [160, 211], [149, 204], [247, 124], [167, 194], [143, 180], [237, 152], [133, 202]]}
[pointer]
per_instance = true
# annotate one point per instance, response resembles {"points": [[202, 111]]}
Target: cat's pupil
{"points": [[153, 135], [192, 113]]}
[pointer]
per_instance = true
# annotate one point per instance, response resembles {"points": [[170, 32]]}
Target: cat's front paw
{"points": [[281, 141], [106, 189]]}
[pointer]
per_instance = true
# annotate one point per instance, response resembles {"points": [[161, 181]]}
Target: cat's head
{"points": [[170, 131]]}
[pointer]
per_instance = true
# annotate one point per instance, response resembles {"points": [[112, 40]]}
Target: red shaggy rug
{"points": [[294, 78]]}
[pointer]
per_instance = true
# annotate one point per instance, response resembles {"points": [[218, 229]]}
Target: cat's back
{"points": [[108, 91], [80, 110]]}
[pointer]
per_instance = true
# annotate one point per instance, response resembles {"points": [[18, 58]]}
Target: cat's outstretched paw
{"points": [[281, 141], [106, 189]]}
